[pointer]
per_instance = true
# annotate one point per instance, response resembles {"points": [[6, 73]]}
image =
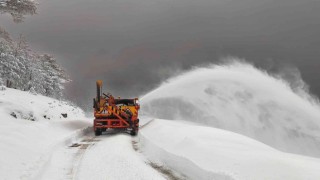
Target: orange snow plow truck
{"points": [[114, 113]]}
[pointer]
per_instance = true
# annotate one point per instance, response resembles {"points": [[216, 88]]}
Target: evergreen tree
{"points": [[20, 68], [18, 9]]}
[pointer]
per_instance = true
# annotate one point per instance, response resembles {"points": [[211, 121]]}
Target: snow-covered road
{"points": [[113, 155], [165, 148]]}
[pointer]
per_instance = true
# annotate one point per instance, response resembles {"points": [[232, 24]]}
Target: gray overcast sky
{"points": [[134, 45]]}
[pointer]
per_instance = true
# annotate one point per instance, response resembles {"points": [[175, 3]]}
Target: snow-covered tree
{"points": [[52, 74], [26, 70], [18, 8], [20, 67]]}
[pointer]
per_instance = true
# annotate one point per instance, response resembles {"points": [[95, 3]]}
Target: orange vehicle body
{"points": [[111, 113]]}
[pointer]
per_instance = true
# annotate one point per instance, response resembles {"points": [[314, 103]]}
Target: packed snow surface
{"points": [[200, 152], [31, 127], [241, 98], [113, 157]]}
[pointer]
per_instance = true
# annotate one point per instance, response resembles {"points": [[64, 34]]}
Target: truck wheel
{"points": [[133, 133], [97, 132]]}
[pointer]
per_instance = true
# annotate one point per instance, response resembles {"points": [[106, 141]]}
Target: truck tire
{"points": [[97, 132], [133, 133]]}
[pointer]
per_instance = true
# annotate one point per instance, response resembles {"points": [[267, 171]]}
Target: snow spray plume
{"points": [[243, 99]]}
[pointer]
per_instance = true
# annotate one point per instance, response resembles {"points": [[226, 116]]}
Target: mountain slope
{"points": [[31, 127]]}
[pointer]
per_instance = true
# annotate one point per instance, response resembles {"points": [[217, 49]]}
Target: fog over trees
{"points": [[20, 67], [18, 9]]}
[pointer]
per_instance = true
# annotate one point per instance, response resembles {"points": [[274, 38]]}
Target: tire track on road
{"points": [[83, 146]]}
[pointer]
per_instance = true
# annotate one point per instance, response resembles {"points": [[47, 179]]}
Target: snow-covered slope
{"points": [[27, 106], [200, 152], [31, 127], [240, 98]]}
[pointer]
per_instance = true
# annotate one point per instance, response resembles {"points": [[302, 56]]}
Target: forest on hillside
{"points": [[21, 67]]}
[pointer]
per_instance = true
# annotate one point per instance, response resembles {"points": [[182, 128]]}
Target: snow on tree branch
{"points": [[23, 69], [18, 8]]}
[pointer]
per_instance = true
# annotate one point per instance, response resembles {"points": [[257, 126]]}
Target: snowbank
{"points": [[242, 99], [201, 152], [31, 127]]}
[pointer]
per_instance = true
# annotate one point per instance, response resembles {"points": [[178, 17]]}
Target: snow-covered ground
{"points": [[225, 122], [201, 152], [38, 142], [241, 98], [113, 157], [32, 126]]}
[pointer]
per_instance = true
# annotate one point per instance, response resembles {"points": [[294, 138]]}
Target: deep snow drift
{"points": [[200, 152], [243, 99], [31, 127]]}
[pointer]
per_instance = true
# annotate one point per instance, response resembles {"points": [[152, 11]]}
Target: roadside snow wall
{"points": [[200, 152]]}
